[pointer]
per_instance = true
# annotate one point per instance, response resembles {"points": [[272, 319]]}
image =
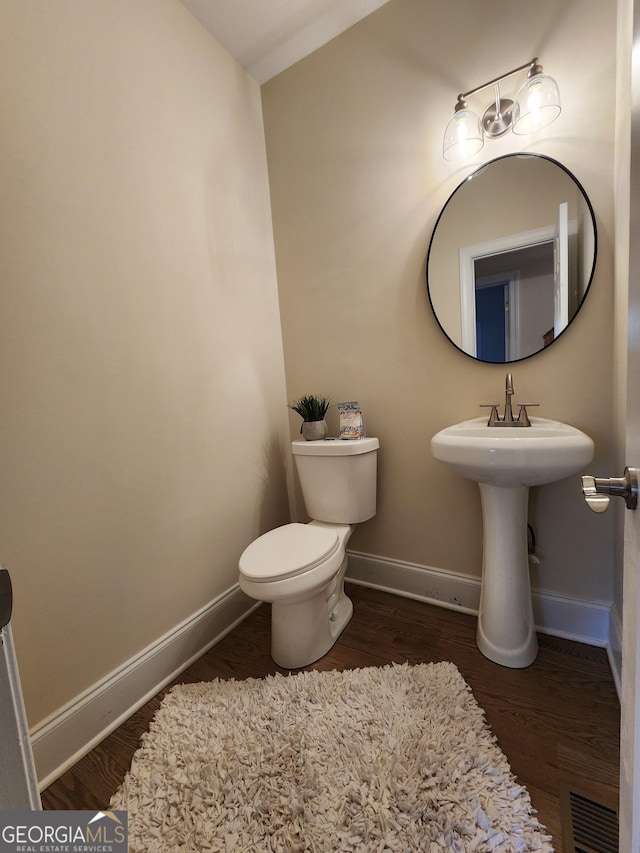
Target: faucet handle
{"points": [[523, 416], [494, 417]]}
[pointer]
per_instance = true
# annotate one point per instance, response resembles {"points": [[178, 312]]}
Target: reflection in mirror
{"points": [[511, 258]]}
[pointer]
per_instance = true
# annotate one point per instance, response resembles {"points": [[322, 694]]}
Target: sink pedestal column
{"points": [[506, 630]]}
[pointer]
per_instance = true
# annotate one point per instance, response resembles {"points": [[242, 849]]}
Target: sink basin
{"points": [[505, 461], [513, 456]]}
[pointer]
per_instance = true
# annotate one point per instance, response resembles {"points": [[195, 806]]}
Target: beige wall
{"points": [[143, 402], [354, 135]]}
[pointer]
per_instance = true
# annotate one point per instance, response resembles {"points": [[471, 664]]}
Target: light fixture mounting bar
{"points": [[531, 65], [536, 105]]}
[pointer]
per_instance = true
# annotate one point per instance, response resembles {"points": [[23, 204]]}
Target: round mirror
{"points": [[511, 258]]}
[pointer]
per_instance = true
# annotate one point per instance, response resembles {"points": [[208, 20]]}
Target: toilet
{"points": [[300, 568]]}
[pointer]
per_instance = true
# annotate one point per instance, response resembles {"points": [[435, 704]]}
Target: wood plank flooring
{"points": [[557, 721]]}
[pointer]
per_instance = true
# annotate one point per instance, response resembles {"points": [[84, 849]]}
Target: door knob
{"points": [[6, 598], [596, 490]]}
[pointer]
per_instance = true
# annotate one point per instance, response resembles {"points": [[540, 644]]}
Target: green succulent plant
{"points": [[311, 407]]}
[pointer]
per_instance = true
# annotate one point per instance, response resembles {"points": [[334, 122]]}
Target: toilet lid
{"points": [[288, 551]]}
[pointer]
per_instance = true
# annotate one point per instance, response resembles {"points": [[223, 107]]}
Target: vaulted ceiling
{"points": [[267, 36]]}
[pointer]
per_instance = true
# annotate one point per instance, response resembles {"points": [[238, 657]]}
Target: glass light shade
{"points": [[537, 104], [463, 136]]}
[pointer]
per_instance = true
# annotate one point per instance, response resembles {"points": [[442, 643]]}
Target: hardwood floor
{"points": [[557, 721]]}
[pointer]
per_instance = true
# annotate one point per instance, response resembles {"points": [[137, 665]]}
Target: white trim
{"points": [[559, 615], [62, 739], [614, 648], [18, 783], [424, 583], [73, 730]]}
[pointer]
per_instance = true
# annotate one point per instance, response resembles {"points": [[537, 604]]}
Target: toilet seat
{"points": [[288, 551]]}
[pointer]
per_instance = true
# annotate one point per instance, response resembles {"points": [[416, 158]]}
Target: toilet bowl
{"points": [[300, 568]]}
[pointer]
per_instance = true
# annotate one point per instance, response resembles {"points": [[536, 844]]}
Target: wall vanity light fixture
{"points": [[537, 104]]}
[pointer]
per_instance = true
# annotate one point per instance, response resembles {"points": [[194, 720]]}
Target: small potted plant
{"points": [[312, 409]]}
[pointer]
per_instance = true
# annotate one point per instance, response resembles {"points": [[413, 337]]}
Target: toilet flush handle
{"points": [[596, 490]]}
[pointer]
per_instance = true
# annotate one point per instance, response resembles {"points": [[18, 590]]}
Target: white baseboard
{"points": [[67, 735], [559, 615], [73, 730]]}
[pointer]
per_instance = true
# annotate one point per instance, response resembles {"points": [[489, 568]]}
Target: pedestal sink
{"points": [[505, 462]]}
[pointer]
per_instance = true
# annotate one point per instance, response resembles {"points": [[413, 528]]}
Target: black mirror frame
{"points": [[480, 169]]}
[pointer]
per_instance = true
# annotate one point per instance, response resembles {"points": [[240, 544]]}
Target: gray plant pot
{"points": [[314, 430]]}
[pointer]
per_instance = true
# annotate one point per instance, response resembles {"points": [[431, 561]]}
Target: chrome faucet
{"points": [[508, 394], [507, 419]]}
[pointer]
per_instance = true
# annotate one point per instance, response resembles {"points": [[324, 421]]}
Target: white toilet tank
{"points": [[338, 478]]}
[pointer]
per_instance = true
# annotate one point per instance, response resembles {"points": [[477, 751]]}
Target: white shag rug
{"points": [[397, 758]]}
